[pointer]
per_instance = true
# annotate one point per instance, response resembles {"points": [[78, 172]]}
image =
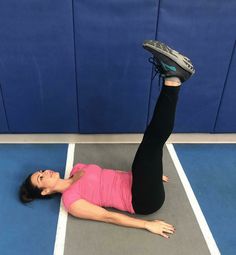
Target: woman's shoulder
{"points": [[77, 167], [86, 168]]}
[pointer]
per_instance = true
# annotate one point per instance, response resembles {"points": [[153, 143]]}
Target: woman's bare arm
{"points": [[85, 210]]}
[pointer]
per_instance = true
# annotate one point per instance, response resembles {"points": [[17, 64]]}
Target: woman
{"points": [[91, 188]]}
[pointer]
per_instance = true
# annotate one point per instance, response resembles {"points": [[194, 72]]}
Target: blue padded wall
{"points": [[203, 31], [112, 69], [78, 66], [226, 121], [37, 70], [3, 121]]}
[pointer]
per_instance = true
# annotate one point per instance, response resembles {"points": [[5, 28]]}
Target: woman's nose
{"points": [[46, 172]]}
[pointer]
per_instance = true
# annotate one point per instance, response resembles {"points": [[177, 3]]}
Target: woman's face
{"points": [[45, 179]]}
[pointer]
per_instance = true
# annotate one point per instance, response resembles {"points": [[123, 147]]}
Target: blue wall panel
{"points": [[37, 70], [3, 121], [203, 31], [38, 73], [112, 68], [226, 121]]}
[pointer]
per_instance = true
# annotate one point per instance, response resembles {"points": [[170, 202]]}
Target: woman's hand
{"points": [[160, 227]]}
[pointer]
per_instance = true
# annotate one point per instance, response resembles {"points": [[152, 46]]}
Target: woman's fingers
{"points": [[165, 224], [164, 235], [167, 229], [162, 228], [170, 231], [168, 225], [165, 178]]}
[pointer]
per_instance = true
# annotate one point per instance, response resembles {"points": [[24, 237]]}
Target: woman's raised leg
{"points": [[148, 193]]}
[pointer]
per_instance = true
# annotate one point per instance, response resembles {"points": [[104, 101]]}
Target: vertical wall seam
{"points": [[223, 90], [4, 107], [158, 15], [75, 63], [151, 81]]}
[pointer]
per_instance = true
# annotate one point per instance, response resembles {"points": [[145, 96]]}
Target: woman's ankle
{"points": [[172, 81]]}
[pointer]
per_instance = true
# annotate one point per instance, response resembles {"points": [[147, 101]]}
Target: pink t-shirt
{"points": [[102, 187]]}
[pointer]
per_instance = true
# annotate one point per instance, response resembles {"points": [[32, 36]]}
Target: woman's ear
{"points": [[45, 192]]}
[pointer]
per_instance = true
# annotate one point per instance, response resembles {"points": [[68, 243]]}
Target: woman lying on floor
{"points": [[90, 188]]}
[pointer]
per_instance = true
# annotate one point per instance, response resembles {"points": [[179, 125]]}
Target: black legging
{"points": [[148, 193]]}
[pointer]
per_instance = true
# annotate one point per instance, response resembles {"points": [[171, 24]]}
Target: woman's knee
{"points": [[156, 207], [147, 211], [150, 208]]}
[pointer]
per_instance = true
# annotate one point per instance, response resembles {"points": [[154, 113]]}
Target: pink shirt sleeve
{"points": [[69, 198]]}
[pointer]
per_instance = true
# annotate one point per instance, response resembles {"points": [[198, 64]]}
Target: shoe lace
{"points": [[157, 67]]}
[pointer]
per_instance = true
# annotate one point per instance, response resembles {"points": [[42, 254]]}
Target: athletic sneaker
{"points": [[168, 62]]}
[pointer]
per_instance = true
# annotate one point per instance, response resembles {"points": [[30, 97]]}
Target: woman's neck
{"points": [[62, 185]]}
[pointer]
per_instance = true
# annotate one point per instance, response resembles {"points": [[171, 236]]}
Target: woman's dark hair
{"points": [[28, 192]]}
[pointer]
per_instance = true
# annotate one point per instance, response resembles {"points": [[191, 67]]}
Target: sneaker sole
{"points": [[181, 60]]}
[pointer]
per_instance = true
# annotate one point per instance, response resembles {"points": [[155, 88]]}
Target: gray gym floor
{"points": [[89, 237]]}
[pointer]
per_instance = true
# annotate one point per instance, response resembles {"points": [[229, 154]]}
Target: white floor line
{"points": [[194, 203], [62, 218]]}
